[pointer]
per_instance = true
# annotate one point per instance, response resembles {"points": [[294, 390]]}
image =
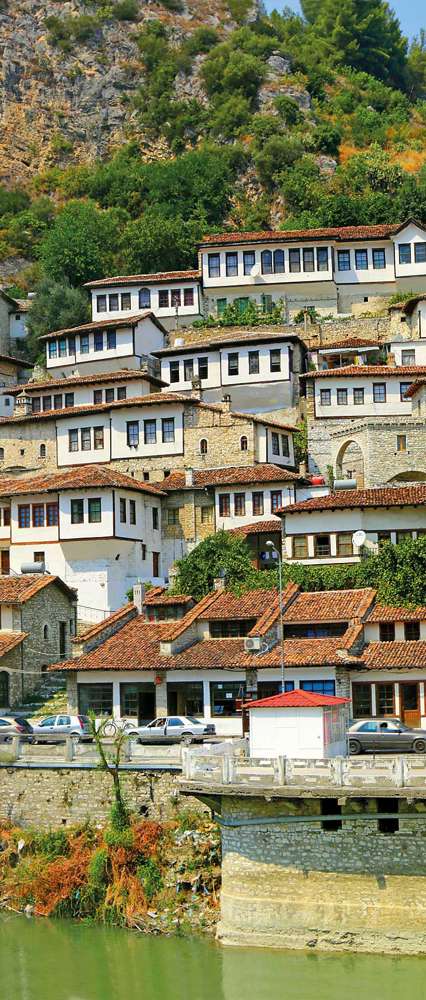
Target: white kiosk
{"points": [[298, 724]]}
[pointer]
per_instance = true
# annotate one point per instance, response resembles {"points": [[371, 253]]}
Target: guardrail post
{"points": [[337, 771], [69, 748], [231, 769], [127, 755], [225, 770], [399, 772], [15, 747], [281, 770]]}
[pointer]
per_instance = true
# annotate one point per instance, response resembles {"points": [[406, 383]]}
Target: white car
{"points": [[173, 729], [55, 728]]}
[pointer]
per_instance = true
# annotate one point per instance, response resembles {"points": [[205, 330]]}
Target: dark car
{"points": [[14, 725], [380, 735]]}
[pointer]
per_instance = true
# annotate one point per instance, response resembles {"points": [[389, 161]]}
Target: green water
{"points": [[58, 960]]}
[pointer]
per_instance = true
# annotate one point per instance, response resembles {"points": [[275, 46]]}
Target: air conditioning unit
{"points": [[252, 645]]}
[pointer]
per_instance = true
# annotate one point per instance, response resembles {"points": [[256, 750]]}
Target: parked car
{"points": [[12, 725], [379, 735], [174, 729], [55, 728]]}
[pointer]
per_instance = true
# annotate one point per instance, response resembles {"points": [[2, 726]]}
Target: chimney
{"points": [[173, 574], [196, 387], [390, 361], [23, 405], [219, 582], [303, 469], [138, 596], [226, 402], [189, 477]]}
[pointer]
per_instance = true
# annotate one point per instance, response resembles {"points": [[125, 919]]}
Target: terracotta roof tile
{"points": [[386, 496], [135, 647], [122, 375], [262, 473], [341, 233], [364, 371], [258, 527], [394, 655], [347, 343], [240, 336], [150, 399], [250, 605], [415, 387], [272, 613], [159, 596], [82, 477], [329, 606], [99, 627], [297, 699], [8, 641], [385, 613], [19, 589], [154, 278], [174, 629], [130, 320]]}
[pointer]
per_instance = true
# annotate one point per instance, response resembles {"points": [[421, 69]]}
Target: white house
{"points": [[173, 296], [104, 345], [361, 391], [41, 396], [300, 724]]}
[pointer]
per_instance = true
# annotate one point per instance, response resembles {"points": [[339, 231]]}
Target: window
{"points": [[361, 700], [300, 547], [379, 392], [243, 443], [224, 696], [249, 260], [150, 431], [401, 442], [143, 551], [163, 298], [42, 451], [285, 445], [420, 253], [126, 301], [174, 371], [46, 402], [279, 261], [230, 628], [294, 260], [6, 522], [98, 340], [239, 504], [168, 429], [203, 446], [253, 362], [358, 396], [132, 511], [233, 364], [175, 297], [112, 338], [24, 516], [266, 261], [322, 545], [308, 259], [221, 305], [275, 360], [319, 687], [213, 261], [36, 404], [109, 395], [51, 514], [403, 388], [188, 370], [86, 438], [123, 511], [203, 367], [257, 500], [231, 260], [101, 303], [145, 298], [38, 515], [95, 510], [69, 399], [404, 251], [98, 438], [156, 564], [206, 515], [384, 699], [275, 438], [266, 303], [132, 429], [173, 515], [71, 345], [342, 397], [98, 395], [53, 349], [383, 536], [379, 259], [62, 348], [188, 296], [344, 544], [325, 397], [276, 500], [84, 343], [322, 259], [57, 401], [77, 511], [73, 440], [408, 357], [122, 392], [95, 698], [155, 518], [113, 303], [343, 260], [387, 632], [361, 260], [224, 505]]}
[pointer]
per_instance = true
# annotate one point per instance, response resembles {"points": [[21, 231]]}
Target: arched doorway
{"points": [[350, 463], [409, 477], [4, 689]]}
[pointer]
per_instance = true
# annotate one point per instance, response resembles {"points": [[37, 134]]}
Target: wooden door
{"points": [[410, 703], [5, 562]]}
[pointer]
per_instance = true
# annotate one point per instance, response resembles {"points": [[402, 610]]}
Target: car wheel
{"points": [[354, 747], [187, 739], [419, 746]]}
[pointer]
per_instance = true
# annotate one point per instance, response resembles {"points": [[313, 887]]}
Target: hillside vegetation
{"points": [[243, 121]]}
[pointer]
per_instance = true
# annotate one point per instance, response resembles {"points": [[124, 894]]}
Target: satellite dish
{"points": [[358, 538], [255, 271]]}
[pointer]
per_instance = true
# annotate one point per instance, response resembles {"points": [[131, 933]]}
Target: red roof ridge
{"points": [[272, 614], [227, 474], [98, 627], [77, 478], [298, 698], [385, 613], [374, 496], [358, 371], [154, 276], [177, 628], [276, 235]]}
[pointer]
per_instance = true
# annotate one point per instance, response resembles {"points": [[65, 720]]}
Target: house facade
{"points": [[173, 296], [104, 345]]}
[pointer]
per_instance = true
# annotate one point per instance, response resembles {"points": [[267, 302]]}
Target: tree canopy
{"points": [[56, 306]]}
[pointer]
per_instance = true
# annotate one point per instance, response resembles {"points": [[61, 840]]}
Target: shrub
{"points": [[278, 152], [149, 874], [202, 40], [53, 844], [288, 109], [126, 10]]}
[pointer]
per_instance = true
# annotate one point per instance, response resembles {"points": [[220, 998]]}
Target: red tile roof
{"points": [[272, 613], [159, 596], [261, 473], [19, 589], [329, 606], [240, 336], [154, 278], [135, 647], [258, 527], [297, 699], [174, 629], [385, 613], [99, 627], [367, 371], [394, 655], [342, 233], [250, 605], [130, 320], [386, 496], [20, 362], [343, 344], [150, 399], [82, 477], [123, 375], [8, 641], [414, 388]]}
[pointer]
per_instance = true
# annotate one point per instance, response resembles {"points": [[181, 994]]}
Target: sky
{"points": [[411, 13]]}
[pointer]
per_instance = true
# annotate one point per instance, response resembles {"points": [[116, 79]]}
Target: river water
{"points": [[60, 960]]}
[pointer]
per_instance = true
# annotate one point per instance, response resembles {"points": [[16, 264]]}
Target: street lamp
{"points": [[273, 548]]}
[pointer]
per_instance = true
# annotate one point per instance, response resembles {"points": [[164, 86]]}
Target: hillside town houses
{"points": [[143, 434]]}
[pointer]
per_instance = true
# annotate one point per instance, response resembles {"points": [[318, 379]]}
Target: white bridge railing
{"points": [[224, 767]]}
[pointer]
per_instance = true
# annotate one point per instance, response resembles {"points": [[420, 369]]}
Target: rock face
{"points": [[59, 107]]}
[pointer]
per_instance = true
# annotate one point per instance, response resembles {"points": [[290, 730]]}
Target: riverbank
{"points": [[154, 877]]}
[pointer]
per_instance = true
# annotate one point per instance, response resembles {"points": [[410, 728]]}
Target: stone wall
{"points": [[55, 797], [367, 327], [25, 663], [21, 440], [369, 447]]}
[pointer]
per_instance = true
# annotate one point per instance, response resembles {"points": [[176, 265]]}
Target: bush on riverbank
{"points": [[155, 877]]}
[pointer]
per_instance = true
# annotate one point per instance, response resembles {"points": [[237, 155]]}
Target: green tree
{"points": [[157, 243], [81, 244], [219, 553], [56, 306]]}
